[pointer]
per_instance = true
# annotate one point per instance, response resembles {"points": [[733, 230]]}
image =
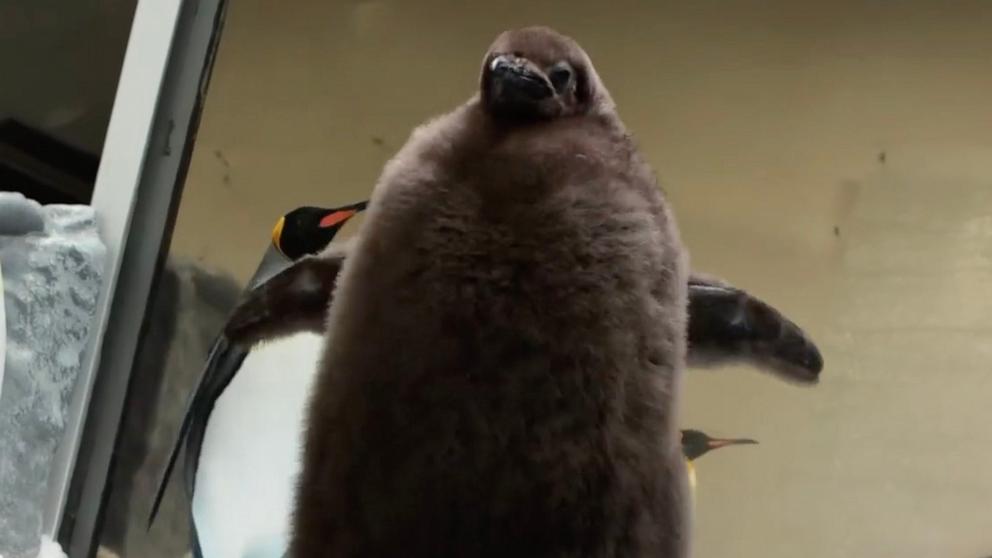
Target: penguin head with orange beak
{"points": [[308, 230], [696, 443]]}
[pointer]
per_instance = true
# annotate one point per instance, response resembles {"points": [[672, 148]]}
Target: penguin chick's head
{"points": [[308, 230], [695, 443], [535, 73]]}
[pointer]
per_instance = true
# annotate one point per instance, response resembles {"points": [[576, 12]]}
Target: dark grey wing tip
{"points": [[219, 346], [163, 481], [796, 353], [727, 324]]}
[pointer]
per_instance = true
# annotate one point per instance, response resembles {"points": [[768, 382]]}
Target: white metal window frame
{"points": [[145, 156]]}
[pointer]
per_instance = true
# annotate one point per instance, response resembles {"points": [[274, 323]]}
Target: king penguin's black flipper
{"points": [[217, 376], [728, 325], [219, 346], [222, 364], [194, 539]]}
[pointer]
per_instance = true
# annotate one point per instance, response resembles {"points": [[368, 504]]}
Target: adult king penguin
{"points": [[240, 428]]}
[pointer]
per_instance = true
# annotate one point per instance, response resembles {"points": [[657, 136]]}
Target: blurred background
{"points": [[60, 63], [833, 158]]}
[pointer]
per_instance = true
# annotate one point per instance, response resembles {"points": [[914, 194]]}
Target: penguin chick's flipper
{"points": [[296, 299], [728, 325]]}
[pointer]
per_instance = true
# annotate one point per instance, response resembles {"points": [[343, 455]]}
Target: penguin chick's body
{"points": [[504, 352]]}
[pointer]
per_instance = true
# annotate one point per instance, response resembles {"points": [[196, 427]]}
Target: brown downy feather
{"points": [[505, 348]]}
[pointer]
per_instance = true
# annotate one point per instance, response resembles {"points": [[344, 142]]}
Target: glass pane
{"points": [[833, 159], [60, 64]]}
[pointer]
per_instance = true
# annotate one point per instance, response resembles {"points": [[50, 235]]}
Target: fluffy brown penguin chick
{"points": [[506, 341]]}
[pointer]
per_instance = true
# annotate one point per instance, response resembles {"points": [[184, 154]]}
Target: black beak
{"points": [[715, 443], [514, 81]]}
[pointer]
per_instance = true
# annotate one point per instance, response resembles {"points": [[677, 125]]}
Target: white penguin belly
{"points": [[251, 452]]}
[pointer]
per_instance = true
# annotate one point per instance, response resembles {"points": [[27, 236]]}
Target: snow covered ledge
{"points": [[125, 165], [53, 262], [163, 82]]}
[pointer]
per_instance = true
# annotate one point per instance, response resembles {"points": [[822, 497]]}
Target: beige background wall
{"points": [[59, 65], [833, 157]]}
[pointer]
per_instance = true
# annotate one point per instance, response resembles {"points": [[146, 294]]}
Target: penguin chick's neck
{"points": [[520, 158]]}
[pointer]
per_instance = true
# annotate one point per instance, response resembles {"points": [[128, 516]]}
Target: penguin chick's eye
{"points": [[561, 77]]}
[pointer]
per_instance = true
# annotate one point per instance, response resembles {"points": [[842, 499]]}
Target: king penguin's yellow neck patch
{"points": [[277, 234]]}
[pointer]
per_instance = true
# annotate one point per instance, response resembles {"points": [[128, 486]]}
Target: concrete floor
{"points": [[835, 158]]}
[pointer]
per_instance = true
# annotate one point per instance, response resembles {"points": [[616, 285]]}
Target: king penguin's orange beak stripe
{"points": [[277, 234], [336, 218]]}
